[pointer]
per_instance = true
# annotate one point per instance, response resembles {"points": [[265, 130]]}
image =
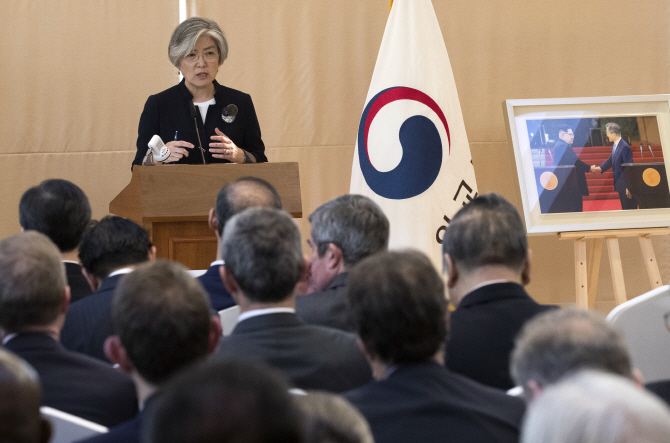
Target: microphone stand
{"points": [[195, 120]]}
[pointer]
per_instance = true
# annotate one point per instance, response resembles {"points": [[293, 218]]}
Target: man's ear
{"points": [[213, 222], [215, 333], [638, 378], [450, 271], [151, 255], [66, 299], [334, 257], [229, 281], [116, 353], [532, 389], [525, 272], [302, 287], [93, 281]]}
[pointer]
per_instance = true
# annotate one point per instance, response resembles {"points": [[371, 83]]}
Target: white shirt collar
{"points": [[120, 272], [70, 261], [9, 337], [264, 311], [486, 283], [217, 263], [616, 143]]}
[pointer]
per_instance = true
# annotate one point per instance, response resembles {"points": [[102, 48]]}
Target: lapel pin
{"points": [[229, 113]]}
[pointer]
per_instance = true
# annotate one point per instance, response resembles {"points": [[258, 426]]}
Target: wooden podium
{"points": [[172, 203]]}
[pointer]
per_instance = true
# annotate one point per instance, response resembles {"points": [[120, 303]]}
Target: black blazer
{"points": [[75, 383], [483, 328], [313, 357], [327, 307], [622, 155], [127, 432], [564, 155], [88, 322], [424, 402], [170, 111], [79, 287], [220, 297]]}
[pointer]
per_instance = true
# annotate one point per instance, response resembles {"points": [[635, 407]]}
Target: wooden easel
{"points": [[587, 268]]}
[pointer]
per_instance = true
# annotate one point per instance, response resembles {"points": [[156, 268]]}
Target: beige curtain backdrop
{"points": [[77, 74]]}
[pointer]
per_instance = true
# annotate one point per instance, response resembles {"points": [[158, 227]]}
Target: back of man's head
{"points": [[354, 223], [262, 252], [398, 306], [225, 401], [32, 282], [20, 400], [162, 317], [58, 209], [596, 407], [113, 243], [563, 341], [246, 192], [329, 418], [486, 231]]}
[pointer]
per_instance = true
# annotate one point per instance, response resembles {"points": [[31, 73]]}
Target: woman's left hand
{"points": [[225, 148]]}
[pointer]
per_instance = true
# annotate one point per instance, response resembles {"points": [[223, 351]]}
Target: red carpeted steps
{"points": [[602, 196]]}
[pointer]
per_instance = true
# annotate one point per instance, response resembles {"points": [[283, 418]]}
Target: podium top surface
{"points": [[187, 192]]}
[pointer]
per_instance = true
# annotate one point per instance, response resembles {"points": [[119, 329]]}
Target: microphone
{"points": [[158, 148], [195, 121]]}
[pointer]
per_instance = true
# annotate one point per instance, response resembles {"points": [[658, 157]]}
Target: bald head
{"points": [[20, 401], [246, 192], [32, 282]]}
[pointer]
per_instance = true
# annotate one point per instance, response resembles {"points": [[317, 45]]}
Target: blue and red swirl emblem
{"points": [[421, 147]]}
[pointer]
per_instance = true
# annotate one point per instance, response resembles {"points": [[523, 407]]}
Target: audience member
{"points": [[20, 399], [558, 343], [596, 407], [34, 298], [263, 262], [163, 321], [235, 197], [487, 263], [330, 418], [399, 310], [344, 231], [109, 249], [60, 210], [225, 402]]}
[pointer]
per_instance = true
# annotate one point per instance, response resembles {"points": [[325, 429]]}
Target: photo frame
{"points": [[576, 173]]}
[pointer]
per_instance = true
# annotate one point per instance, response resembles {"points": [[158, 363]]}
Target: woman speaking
{"points": [[226, 122]]}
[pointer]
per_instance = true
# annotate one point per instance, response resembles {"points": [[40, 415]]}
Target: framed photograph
{"points": [[591, 163]]}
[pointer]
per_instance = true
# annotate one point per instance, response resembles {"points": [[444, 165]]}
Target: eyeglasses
{"points": [[209, 57]]}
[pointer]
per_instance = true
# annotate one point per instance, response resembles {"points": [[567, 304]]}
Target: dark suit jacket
{"points": [[79, 287], [425, 402], [313, 357], [565, 156], [169, 111], [221, 298], [622, 155], [76, 383], [483, 328], [327, 307], [88, 322], [127, 432], [661, 389]]}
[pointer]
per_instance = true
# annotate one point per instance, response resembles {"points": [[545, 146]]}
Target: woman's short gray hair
{"points": [[187, 34]]}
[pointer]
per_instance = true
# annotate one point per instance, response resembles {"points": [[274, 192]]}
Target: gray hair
{"points": [[354, 223], [188, 32], [32, 281], [261, 249], [331, 418], [486, 231], [562, 341], [595, 407], [613, 128]]}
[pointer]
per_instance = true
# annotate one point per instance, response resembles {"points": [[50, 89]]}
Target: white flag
{"points": [[412, 154]]}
